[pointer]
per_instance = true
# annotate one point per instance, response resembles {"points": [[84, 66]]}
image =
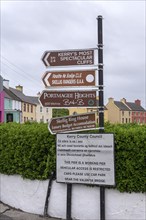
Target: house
{"points": [[18, 105], [138, 113], [12, 107], [1, 100], [27, 105], [125, 112], [21, 108], [43, 114], [78, 110]]}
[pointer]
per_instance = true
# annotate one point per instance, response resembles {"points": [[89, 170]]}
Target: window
{"points": [[24, 108], [47, 110], [42, 119], [41, 109], [126, 120], [31, 108], [122, 113], [129, 113], [27, 107], [122, 120]]}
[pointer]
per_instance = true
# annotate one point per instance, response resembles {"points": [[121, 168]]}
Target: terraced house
{"points": [[18, 107], [125, 112], [28, 105]]}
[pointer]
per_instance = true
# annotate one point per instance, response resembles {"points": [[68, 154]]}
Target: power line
{"points": [[15, 66], [24, 75], [13, 81]]}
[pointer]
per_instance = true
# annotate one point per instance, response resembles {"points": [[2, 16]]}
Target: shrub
{"points": [[29, 150]]}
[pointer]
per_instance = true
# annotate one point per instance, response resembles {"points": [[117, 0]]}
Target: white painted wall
{"points": [[29, 196]]}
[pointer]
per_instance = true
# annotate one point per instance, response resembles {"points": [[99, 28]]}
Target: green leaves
{"points": [[29, 150], [24, 150]]}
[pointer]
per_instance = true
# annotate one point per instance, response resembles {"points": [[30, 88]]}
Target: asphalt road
{"points": [[8, 213]]}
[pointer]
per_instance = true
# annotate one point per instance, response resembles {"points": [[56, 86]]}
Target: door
{"points": [[10, 117]]}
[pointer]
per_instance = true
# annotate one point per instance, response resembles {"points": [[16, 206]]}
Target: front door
{"points": [[9, 117]]}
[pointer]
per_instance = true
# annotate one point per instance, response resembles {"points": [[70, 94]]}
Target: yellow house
{"points": [[118, 112], [73, 111]]}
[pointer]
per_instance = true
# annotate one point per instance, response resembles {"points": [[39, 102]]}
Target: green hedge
{"points": [[29, 150]]}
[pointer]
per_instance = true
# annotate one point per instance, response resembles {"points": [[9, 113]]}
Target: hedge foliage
{"points": [[29, 150]]}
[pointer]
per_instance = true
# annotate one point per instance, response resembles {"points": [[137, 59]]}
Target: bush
{"points": [[29, 150]]}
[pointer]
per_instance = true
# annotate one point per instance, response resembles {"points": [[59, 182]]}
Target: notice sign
{"points": [[86, 159], [71, 57], [72, 123]]}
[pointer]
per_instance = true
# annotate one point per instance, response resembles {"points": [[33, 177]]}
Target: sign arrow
{"points": [[71, 123], [69, 78], [50, 98], [66, 58]]}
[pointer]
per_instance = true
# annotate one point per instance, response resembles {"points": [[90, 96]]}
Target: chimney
{"points": [[138, 102], [123, 100], [111, 99], [6, 83], [20, 88]]}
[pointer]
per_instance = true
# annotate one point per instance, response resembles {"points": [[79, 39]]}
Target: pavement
{"points": [[9, 213]]}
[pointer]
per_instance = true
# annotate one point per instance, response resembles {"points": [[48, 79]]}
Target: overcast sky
{"points": [[29, 28]]}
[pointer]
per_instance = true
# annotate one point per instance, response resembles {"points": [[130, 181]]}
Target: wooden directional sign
{"points": [[69, 78], [63, 99], [71, 57], [72, 123]]}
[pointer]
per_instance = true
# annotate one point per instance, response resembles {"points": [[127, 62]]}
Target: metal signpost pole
{"points": [[68, 205], [101, 105]]}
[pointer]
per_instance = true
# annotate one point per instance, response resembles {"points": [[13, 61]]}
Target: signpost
{"points": [[69, 78], [81, 158], [68, 99], [86, 159], [72, 123], [71, 57]]}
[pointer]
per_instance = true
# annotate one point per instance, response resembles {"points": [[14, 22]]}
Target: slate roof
{"points": [[135, 107], [121, 106], [34, 99], [21, 96], [10, 95]]}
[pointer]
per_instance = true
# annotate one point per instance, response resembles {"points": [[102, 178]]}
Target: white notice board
{"points": [[86, 159]]}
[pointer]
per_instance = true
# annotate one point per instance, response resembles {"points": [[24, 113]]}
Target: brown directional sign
{"points": [[69, 78], [68, 98], [71, 57], [72, 123]]}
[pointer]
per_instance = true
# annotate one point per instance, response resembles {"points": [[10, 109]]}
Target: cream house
{"points": [[118, 112], [43, 114]]}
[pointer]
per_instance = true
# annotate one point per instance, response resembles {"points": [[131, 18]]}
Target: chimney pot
{"points": [[20, 88], [138, 102]]}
